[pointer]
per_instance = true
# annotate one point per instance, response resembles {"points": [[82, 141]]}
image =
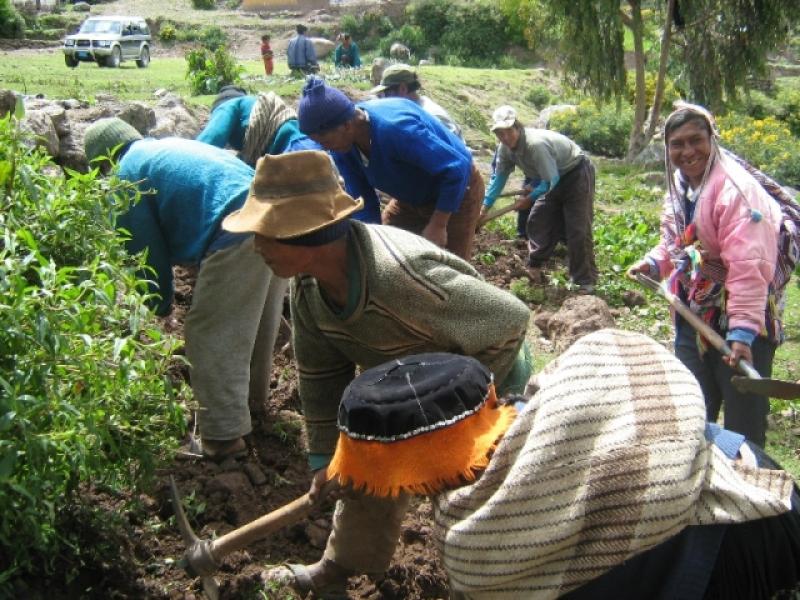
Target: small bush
{"points": [[408, 35], [366, 29], [600, 130], [789, 111], [767, 144], [539, 96], [204, 4], [209, 71], [476, 34], [213, 37], [433, 17], [12, 25], [168, 33]]}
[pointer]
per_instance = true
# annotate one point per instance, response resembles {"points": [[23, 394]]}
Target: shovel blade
{"points": [[774, 388]]}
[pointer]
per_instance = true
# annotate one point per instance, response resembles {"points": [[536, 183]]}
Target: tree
{"points": [[721, 44]]}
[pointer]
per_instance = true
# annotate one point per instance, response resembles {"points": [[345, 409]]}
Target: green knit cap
{"points": [[106, 134]]}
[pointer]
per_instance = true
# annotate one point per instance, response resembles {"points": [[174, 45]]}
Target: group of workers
{"points": [[609, 481]]}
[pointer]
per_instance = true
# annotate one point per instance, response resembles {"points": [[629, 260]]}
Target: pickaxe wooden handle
{"points": [[203, 557], [500, 211], [752, 380]]}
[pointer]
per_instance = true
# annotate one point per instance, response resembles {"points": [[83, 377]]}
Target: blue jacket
{"points": [[300, 53], [413, 158], [229, 121], [187, 188]]}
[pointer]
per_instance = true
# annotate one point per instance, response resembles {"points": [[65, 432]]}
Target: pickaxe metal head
{"points": [[198, 560]]}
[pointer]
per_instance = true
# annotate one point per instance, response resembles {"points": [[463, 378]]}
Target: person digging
{"points": [[187, 188], [360, 295], [606, 484]]}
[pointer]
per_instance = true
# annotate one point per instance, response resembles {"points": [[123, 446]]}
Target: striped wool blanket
{"points": [[607, 460]]}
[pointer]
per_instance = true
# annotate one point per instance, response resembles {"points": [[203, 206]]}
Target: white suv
{"points": [[108, 41]]}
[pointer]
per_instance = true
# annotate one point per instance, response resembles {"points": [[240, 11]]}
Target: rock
{"points": [[652, 155], [174, 118], [425, 62], [71, 153], [255, 474], [39, 124], [633, 298], [399, 51], [139, 115], [578, 316], [542, 320], [82, 7], [317, 533], [322, 46], [543, 120]]}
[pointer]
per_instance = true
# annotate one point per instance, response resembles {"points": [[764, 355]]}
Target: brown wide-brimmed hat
{"points": [[293, 195]]}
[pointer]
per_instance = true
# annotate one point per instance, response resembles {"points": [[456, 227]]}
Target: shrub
{"points": [[204, 4], [167, 33], [767, 144], [789, 111], [409, 35], [366, 29], [213, 37], [209, 71], [539, 96], [476, 33], [12, 25], [432, 17], [85, 396], [601, 130]]}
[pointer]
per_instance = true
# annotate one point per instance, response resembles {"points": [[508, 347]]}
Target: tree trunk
{"points": [[635, 143], [639, 136]]}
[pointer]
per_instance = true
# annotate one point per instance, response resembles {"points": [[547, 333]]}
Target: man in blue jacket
{"points": [[394, 146], [187, 188], [300, 54]]}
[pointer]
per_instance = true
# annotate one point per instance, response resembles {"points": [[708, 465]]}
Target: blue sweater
{"points": [[187, 189], [229, 121], [412, 157]]}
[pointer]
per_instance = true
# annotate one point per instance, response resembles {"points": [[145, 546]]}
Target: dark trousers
{"points": [[566, 212], [745, 413], [460, 227]]}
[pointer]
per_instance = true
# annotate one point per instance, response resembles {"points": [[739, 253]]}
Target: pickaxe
{"points": [[203, 557], [501, 211], [752, 380]]}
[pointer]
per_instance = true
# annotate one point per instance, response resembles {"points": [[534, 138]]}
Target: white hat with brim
{"points": [[503, 118]]}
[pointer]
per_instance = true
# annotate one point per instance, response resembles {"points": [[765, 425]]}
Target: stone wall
{"points": [[300, 5]]}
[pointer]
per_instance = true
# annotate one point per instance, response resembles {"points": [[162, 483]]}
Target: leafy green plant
{"points": [[599, 129], [167, 33], [12, 24], [620, 239], [366, 28], [84, 393], [523, 290], [204, 4], [539, 96], [209, 71], [213, 37]]}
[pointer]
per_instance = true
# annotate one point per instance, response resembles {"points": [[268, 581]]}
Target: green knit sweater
{"points": [[414, 298]]}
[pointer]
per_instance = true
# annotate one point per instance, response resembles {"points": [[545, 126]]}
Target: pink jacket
{"points": [[740, 250]]}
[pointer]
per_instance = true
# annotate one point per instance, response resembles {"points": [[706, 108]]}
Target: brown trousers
{"points": [[566, 212], [460, 227]]}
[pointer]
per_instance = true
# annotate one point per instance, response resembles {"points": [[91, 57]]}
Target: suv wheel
{"points": [[114, 58], [144, 58], [70, 61]]}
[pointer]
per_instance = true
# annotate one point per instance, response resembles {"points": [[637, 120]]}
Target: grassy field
{"points": [[626, 195]]}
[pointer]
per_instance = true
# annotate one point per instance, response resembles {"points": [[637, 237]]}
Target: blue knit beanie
{"points": [[323, 107]]}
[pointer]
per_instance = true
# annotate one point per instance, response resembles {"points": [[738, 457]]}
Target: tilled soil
{"points": [[144, 554]]}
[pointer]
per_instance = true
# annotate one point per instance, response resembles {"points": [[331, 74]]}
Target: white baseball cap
{"points": [[503, 117]]}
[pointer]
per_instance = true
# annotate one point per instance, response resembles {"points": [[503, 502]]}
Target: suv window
{"points": [[101, 26]]}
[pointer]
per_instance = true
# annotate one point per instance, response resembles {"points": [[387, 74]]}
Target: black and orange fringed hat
{"points": [[418, 425]]}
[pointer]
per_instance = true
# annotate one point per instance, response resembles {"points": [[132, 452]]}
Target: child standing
{"points": [[266, 53]]}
